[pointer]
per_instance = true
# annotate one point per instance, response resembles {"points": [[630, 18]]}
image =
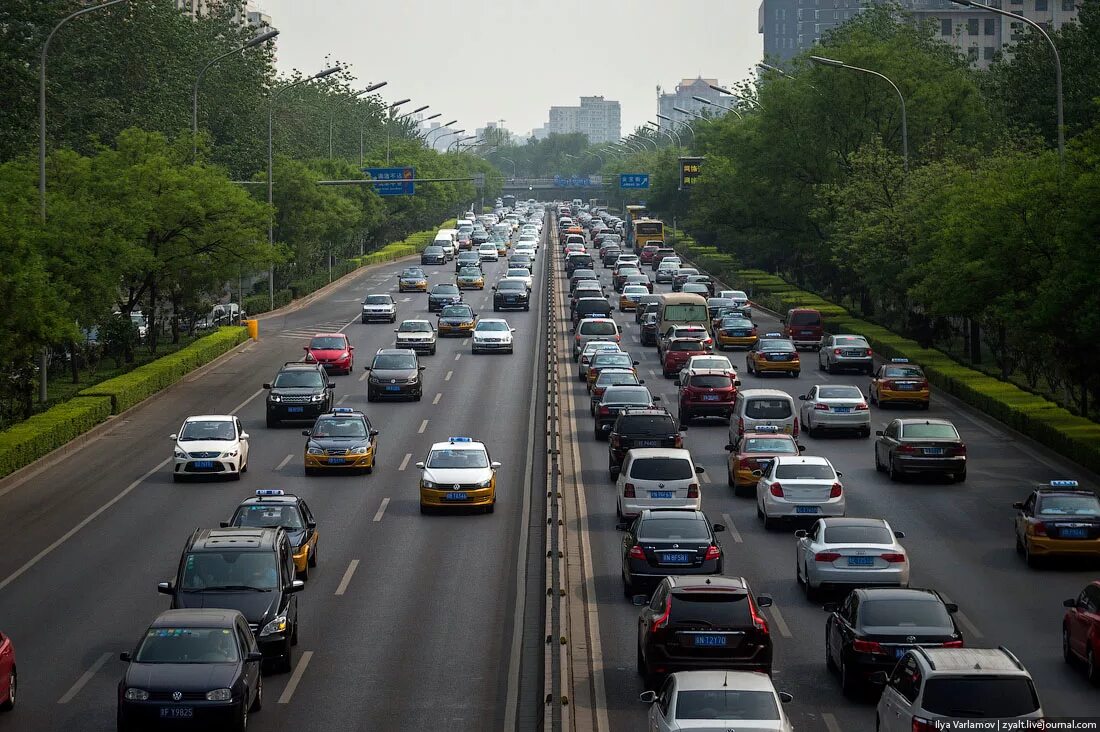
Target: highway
{"points": [[959, 537], [407, 622]]}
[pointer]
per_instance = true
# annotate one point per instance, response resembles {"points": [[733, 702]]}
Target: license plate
{"points": [[710, 397], [336, 461], [842, 410], [852, 354], [204, 463], [710, 641], [933, 451], [177, 712], [295, 410], [647, 443], [899, 652], [457, 496], [393, 388], [906, 387], [660, 494], [805, 509], [861, 561], [676, 558], [1074, 533], [807, 332]]}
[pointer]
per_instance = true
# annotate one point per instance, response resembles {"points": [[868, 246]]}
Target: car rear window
{"points": [[686, 346], [768, 408], [805, 471], [857, 535], [1069, 506], [648, 425], [768, 444], [716, 609], [839, 392], [978, 697], [929, 431], [661, 468], [726, 704], [805, 318], [712, 381], [689, 529], [912, 613], [598, 328]]}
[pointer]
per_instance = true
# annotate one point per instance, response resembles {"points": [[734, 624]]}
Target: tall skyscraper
{"points": [[598, 118]]}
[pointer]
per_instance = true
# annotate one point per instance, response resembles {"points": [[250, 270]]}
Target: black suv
{"points": [[433, 255], [394, 374], [246, 569], [300, 391], [467, 259], [697, 623], [665, 542], [511, 292], [640, 428]]}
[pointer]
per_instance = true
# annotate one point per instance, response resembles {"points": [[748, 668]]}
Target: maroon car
{"points": [[678, 351], [7, 674]]}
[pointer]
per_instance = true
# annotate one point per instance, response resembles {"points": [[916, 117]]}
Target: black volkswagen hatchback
{"points": [[394, 374]]}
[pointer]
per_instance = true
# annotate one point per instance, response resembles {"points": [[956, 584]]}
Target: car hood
{"points": [[218, 446], [338, 443], [480, 335], [255, 606], [414, 278], [328, 352], [181, 676], [387, 374], [296, 390], [456, 319], [461, 476]]}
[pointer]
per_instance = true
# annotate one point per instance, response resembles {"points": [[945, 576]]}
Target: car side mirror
{"points": [[640, 600], [330, 385], [223, 524], [730, 448], [125, 656], [899, 534], [1019, 505], [296, 586], [494, 288], [1070, 603], [635, 363], [374, 433], [311, 524], [165, 588], [395, 330], [878, 433], [801, 447], [879, 678], [839, 474], [572, 330], [951, 607], [494, 465], [245, 436], [420, 465], [267, 386], [764, 601], [254, 656], [737, 382], [366, 368], [656, 399], [307, 433], [512, 329], [801, 534], [641, 381], [305, 348], [699, 470], [802, 397], [647, 697], [829, 607], [719, 527], [785, 697]]}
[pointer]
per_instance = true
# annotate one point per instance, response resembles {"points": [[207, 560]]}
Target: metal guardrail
{"points": [[554, 667]]}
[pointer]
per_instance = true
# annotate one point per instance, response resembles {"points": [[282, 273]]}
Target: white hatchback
{"points": [[210, 444], [796, 486], [657, 477]]}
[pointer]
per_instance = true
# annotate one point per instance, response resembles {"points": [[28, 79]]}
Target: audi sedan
{"points": [[665, 542], [850, 552]]}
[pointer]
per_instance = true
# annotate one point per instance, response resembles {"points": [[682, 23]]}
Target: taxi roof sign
{"points": [[773, 335], [766, 428], [1064, 484], [269, 492], [899, 360], [342, 410], [459, 439]]}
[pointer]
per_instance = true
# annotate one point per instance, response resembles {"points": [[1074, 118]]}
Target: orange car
{"points": [[752, 451], [900, 382]]}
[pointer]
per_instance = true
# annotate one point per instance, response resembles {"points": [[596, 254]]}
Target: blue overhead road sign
{"points": [[396, 188], [634, 180]]}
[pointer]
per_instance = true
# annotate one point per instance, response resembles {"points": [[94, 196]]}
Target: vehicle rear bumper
{"points": [[1044, 546], [931, 465]]}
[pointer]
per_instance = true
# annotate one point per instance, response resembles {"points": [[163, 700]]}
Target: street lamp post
{"points": [[513, 162], [438, 129], [671, 127], [901, 98], [332, 117], [389, 121], [662, 131], [1057, 63], [198, 80], [452, 132], [688, 112], [461, 139], [709, 103], [271, 165]]}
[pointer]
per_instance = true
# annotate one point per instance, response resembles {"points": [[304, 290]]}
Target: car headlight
{"points": [[278, 625], [357, 451], [317, 398], [219, 695], [275, 398], [345, 354], [427, 484], [315, 451], [136, 694], [231, 453], [485, 483], [179, 453], [374, 380]]}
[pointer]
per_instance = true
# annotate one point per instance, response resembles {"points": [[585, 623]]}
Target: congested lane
{"points": [[407, 619], [959, 537]]}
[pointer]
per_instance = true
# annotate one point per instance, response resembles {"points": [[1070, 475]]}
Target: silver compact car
{"points": [[849, 552]]}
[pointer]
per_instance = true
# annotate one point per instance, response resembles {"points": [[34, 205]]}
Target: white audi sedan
{"points": [[798, 487], [210, 444], [717, 700], [842, 553], [835, 407]]}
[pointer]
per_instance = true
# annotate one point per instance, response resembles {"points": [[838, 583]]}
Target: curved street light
{"points": [[262, 38], [437, 129], [671, 126], [708, 102], [513, 162], [681, 110], [460, 140]]}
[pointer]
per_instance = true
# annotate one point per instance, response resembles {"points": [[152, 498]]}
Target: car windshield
{"points": [[230, 570], [635, 289], [926, 430], [839, 392], [415, 326], [726, 704], [638, 395], [188, 645], [613, 378], [456, 311], [857, 535], [489, 325], [512, 285], [208, 430], [924, 613], [1069, 506], [713, 609], [450, 458], [980, 696], [469, 272], [661, 468], [394, 361], [736, 323], [339, 427], [298, 380], [377, 300], [601, 327], [270, 515], [805, 471], [445, 290], [516, 272], [711, 381], [419, 273], [688, 529], [433, 250], [903, 372], [328, 343], [769, 445], [686, 345]]}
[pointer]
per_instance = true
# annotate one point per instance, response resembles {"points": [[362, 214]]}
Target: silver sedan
{"points": [[845, 352], [850, 552], [835, 407]]}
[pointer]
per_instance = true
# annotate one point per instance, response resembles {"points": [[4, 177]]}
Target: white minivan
{"points": [[657, 477], [754, 408]]}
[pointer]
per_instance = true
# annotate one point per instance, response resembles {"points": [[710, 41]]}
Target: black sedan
{"points": [[661, 543], [443, 294], [511, 293], [433, 255], [925, 446], [194, 666], [874, 627]]}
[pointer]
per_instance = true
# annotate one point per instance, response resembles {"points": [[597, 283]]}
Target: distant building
{"points": [[499, 134], [682, 98], [598, 118], [245, 13]]}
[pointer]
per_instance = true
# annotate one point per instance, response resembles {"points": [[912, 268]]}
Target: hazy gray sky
{"points": [[513, 59]]}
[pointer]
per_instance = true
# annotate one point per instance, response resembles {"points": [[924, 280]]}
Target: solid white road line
{"points": [[405, 461], [285, 460], [731, 528], [423, 426], [244, 404], [437, 398], [295, 677], [780, 623], [85, 678], [342, 328], [448, 376], [704, 477], [364, 376], [381, 510], [346, 579], [830, 722]]}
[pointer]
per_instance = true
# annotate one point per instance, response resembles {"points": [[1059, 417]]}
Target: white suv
{"points": [[929, 685], [657, 477]]}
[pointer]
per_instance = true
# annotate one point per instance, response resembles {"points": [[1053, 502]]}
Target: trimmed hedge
{"points": [[45, 432], [131, 388]]}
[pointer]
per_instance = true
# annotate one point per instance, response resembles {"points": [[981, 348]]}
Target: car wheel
{"points": [[598, 433], [891, 471], [829, 662], [370, 395], [820, 366], [1030, 559], [628, 588], [878, 465], [241, 723], [849, 686], [303, 574], [871, 397], [1019, 545], [926, 405], [811, 591], [794, 374], [177, 478], [492, 507], [730, 481], [769, 523], [312, 559], [432, 352], [9, 703], [865, 432], [1067, 654], [258, 702]]}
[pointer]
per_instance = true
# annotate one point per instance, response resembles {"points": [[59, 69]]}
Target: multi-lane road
{"points": [[418, 622]]}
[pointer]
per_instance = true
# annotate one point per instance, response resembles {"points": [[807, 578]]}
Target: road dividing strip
{"points": [[780, 623], [295, 677], [285, 460], [405, 461], [85, 678], [423, 426], [731, 528], [448, 376], [437, 398], [830, 722], [346, 579], [343, 399], [381, 510]]}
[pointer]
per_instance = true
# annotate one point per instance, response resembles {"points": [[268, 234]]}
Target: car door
{"points": [[1077, 624], [885, 444], [243, 437], [895, 710], [660, 712], [843, 622], [807, 546], [824, 352], [873, 388], [656, 606], [247, 642], [7, 661], [1024, 516], [807, 406]]}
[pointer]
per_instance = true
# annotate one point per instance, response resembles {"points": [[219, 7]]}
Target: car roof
{"points": [[196, 618], [471, 445], [689, 583], [210, 418], [804, 459], [415, 320], [394, 352], [667, 452], [974, 660], [708, 372], [662, 514], [300, 366], [916, 420], [714, 680], [240, 538], [846, 521], [483, 321], [769, 393], [287, 499]]}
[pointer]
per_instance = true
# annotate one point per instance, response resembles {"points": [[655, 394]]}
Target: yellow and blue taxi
{"points": [[342, 439], [752, 451], [470, 278], [630, 296], [456, 320], [271, 508], [458, 473], [1058, 518], [502, 246], [412, 279], [735, 331], [773, 354], [900, 382]]}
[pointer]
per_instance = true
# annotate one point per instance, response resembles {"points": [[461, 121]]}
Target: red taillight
{"points": [[821, 407], [795, 430], [678, 441], [953, 644], [740, 425], [1039, 528], [890, 385], [746, 462], [924, 385], [757, 619], [836, 351], [712, 552], [693, 490], [957, 451], [862, 646], [861, 407], [870, 352], [923, 725], [776, 489], [628, 490], [826, 557], [662, 620], [577, 338], [636, 552], [905, 449], [836, 490], [894, 558], [605, 410]]}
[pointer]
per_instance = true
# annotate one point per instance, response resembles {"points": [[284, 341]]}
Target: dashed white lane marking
{"points": [[780, 623], [295, 677], [285, 460], [85, 678], [466, 342], [346, 579], [381, 510], [405, 461], [652, 372], [732, 529], [448, 376], [704, 477], [458, 356], [406, 299], [423, 426], [364, 376], [342, 399], [830, 722], [437, 398]]}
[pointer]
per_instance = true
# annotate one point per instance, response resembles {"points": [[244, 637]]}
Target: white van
{"points": [[448, 239], [754, 408]]}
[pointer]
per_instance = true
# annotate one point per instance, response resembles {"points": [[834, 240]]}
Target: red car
{"points": [[647, 253], [1081, 630], [707, 393], [331, 350], [7, 674], [678, 351]]}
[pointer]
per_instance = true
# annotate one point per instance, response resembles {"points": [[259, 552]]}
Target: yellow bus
{"points": [[648, 231], [633, 213]]}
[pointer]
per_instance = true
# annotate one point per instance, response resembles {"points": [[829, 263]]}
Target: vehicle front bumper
{"points": [[221, 465], [917, 396], [412, 286], [486, 346], [418, 346], [437, 497], [403, 391], [518, 303], [443, 329], [369, 315], [289, 411], [930, 464], [143, 715], [329, 366], [1046, 546], [778, 508], [342, 462]]}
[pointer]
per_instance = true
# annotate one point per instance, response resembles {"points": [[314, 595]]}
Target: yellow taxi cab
{"points": [[610, 360], [458, 319], [502, 248], [342, 439], [412, 279], [900, 382], [1058, 519], [752, 451], [458, 474], [773, 354], [470, 278], [628, 300], [270, 508], [735, 332]]}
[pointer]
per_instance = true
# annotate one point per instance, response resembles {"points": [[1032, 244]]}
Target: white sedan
{"points": [[488, 253], [797, 486], [717, 700], [850, 552], [492, 334], [210, 444], [521, 273], [835, 407]]}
